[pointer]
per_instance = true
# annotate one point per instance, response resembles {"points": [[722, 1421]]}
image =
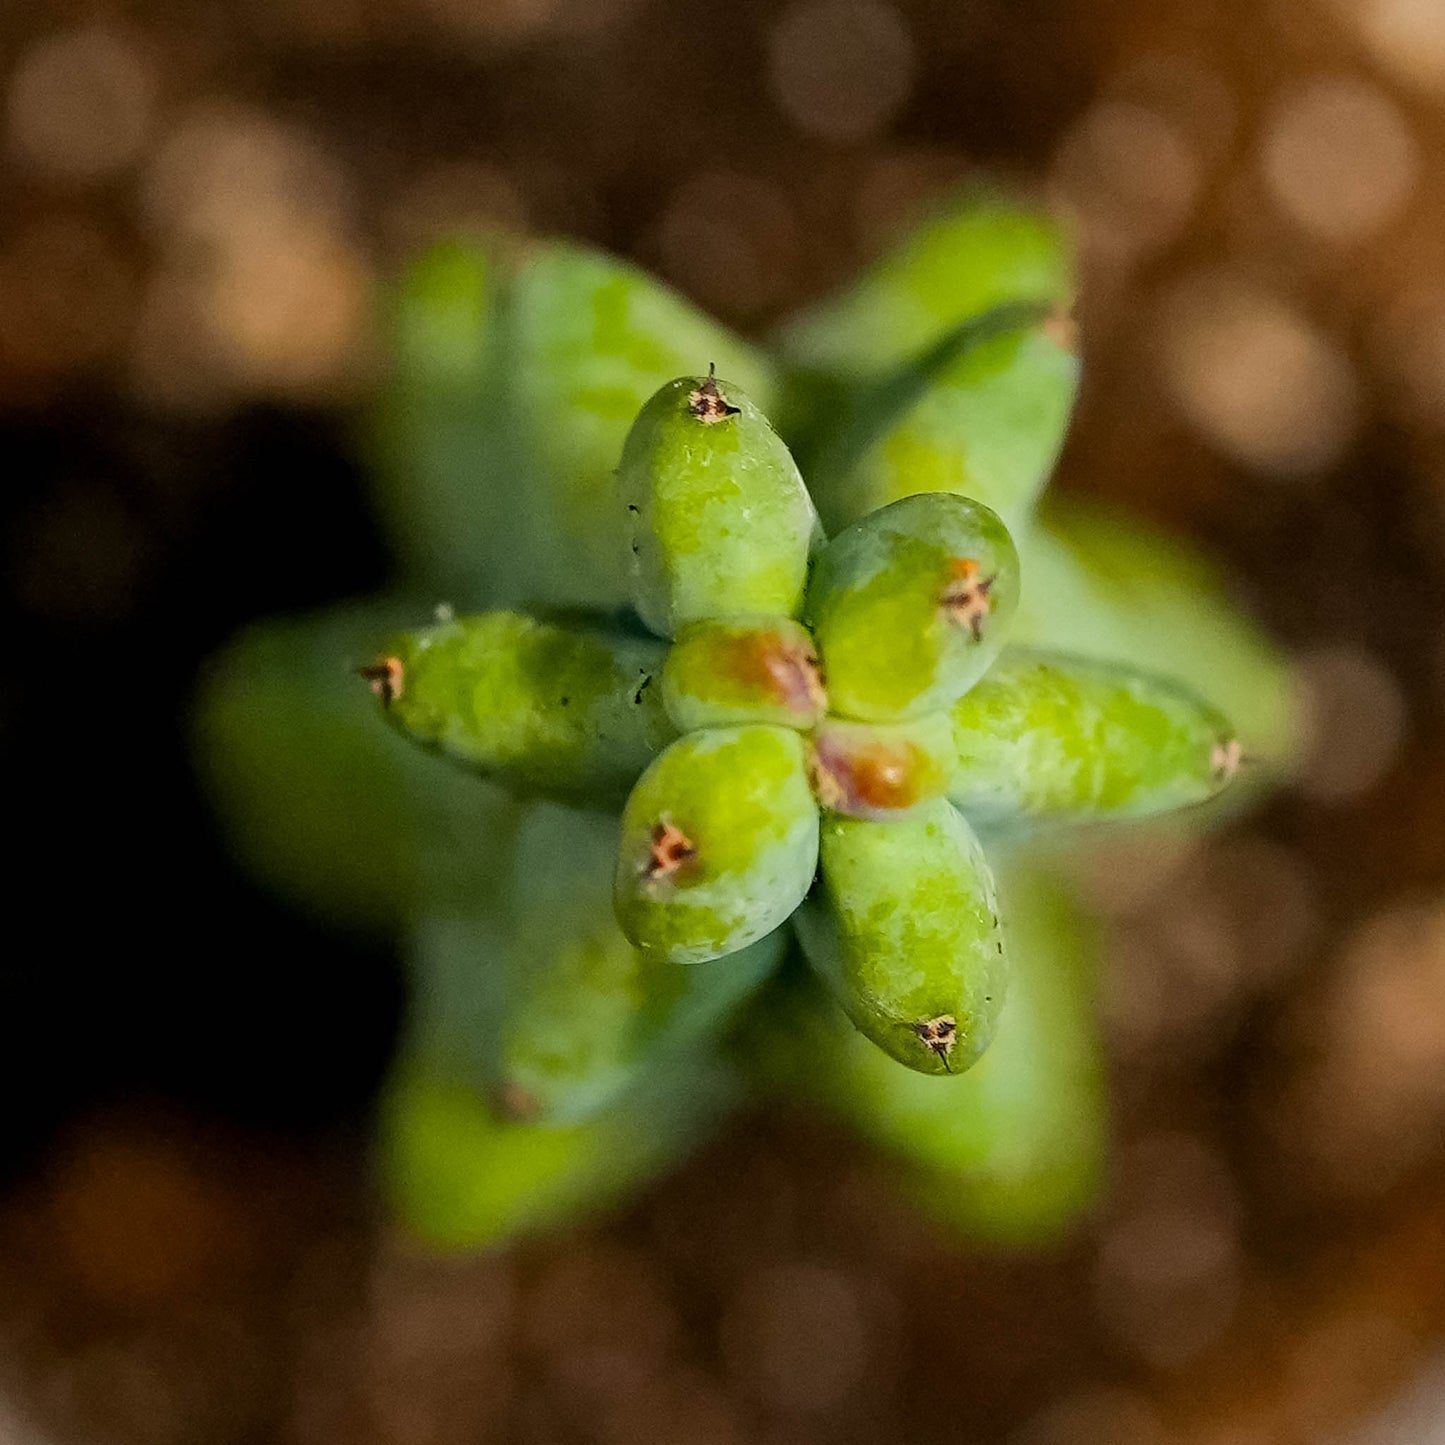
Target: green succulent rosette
{"points": [[746, 697]]}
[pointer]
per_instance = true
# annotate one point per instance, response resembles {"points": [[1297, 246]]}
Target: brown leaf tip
{"points": [[672, 850], [707, 402], [1062, 328], [385, 679], [1225, 759], [967, 599], [519, 1104], [938, 1034]]}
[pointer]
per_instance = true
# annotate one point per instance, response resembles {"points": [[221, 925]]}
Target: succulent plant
{"points": [[704, 732]]}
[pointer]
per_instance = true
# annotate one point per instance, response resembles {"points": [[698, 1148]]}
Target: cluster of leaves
{"points": [[553, 1060]]}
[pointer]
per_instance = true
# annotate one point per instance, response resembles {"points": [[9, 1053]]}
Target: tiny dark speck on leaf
{"points": [[565, 701], [636, 512]]}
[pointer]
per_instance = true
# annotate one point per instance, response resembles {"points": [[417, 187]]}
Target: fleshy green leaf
{"points": [[459, 1177], [564, 710], [1048, 736]]}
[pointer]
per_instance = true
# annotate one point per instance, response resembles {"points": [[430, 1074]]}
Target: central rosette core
{"points": [[769, 670]]}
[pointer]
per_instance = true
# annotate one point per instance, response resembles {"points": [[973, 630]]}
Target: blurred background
{"points": [[198, 202]]}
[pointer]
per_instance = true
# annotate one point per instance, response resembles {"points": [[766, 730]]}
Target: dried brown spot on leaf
{"points": [[385, 679], [707, 402], [1225, 759], [967, 598], [672, 851], [938, 1034]]}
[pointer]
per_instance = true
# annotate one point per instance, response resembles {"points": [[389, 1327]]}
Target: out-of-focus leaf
{"points": [[977, 251], [1104, 587], [460, 1177], [990, 428], [591, 340], [443, 474], [982, 413], [318, 797], [540, 1004], [1011, 1151], [1024, 1158], [517, 371]]}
